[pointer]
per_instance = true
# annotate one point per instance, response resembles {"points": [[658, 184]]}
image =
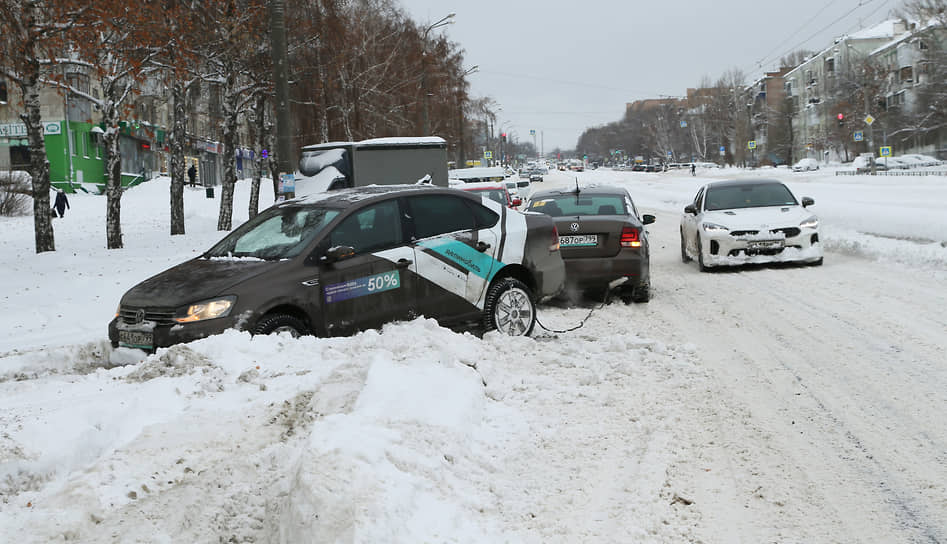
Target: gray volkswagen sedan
{"points": [[602, 239]]}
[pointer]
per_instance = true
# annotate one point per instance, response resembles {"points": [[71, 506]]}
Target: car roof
{"points": [[590, 190]]}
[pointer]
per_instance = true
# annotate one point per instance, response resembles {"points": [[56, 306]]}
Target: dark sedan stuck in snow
{"points": [[337, 263]]}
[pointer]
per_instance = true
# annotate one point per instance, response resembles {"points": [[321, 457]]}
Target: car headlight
{"points": [[811, 223], [714, 228], [208, 309]]}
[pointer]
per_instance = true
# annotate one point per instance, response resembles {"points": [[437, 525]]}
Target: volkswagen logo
{"points": [[575, 227], [140, 315]]}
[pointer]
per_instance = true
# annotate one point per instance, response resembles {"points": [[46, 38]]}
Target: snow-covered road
{"points": [[762, 404]]}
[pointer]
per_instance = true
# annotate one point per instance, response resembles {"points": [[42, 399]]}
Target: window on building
{"points": [[3, 91], [73, 143], [907, 74], [213, 101], [830, 65], [921, 44], [896, 99], [84, 140], [80, 107]]}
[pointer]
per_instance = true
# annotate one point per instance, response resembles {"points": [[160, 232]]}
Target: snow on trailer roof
{"points": [[478, 172], [417, 141]]}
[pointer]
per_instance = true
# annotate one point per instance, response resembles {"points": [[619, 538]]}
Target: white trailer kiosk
{"points": [[380, 161]]}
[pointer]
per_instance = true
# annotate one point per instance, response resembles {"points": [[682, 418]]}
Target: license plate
{"points": [[135, 339], [765, 244], [581, 240]]}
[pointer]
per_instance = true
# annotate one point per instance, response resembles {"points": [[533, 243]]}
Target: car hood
{"points": [[194, 280], [753, 218]]}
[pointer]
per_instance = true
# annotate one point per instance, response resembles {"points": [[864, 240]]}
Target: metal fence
{"points": [[893, 173]]}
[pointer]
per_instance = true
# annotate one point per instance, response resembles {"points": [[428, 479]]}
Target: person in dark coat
{"points": [[192, 174], [61, 203]]}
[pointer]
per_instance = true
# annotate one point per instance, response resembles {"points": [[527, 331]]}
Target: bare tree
{"points": [[30, 32], [116, 45]]}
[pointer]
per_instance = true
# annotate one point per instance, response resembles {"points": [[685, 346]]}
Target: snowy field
{"points": [[763, 404]]}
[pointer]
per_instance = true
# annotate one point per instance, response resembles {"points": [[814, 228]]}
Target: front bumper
{"points": [[165, 335], [788, 244]]}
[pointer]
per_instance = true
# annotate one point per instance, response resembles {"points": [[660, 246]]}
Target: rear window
{"points": [[565, 205], [497, 195]]}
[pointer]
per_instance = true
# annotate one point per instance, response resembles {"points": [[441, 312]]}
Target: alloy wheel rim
{"points": [[514, 313]]}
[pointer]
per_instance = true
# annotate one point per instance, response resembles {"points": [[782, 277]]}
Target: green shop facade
{"points": [[77, 156]]}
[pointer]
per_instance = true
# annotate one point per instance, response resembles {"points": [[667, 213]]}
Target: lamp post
{"points": [[461, 98], [446, 20]]}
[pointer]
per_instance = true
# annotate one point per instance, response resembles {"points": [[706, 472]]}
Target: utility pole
{"points": [[280, 75]]}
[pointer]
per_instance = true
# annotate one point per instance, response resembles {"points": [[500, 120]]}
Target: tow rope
{"points": [[608, 295]]}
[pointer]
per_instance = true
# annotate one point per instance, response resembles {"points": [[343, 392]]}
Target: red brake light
{"points": [[629, 237], [555, 239]]}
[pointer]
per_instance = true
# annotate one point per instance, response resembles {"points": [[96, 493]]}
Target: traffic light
{"points": [[841, 119], [503, 137]]}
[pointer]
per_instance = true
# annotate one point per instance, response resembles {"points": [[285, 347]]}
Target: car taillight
{"points": [[629, 237], [555, 239]]}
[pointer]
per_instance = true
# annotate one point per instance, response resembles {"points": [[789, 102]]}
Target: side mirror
{"points": [[338, 253], [647, 219], [517, 201], [806, 202], [690, 209]]}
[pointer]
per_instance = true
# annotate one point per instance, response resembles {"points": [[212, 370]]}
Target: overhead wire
{"points": [[861, 4], [767, 56]]}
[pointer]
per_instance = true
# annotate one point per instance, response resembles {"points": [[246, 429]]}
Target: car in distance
{"points": [[749, 221], [602, 240], [350, 260], [535, 174], [494, 191], [805, 165]]}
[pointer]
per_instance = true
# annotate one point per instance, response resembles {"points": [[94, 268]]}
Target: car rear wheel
{"points": [[684, 256], [638, 293], [509, 308], [277, 323]]}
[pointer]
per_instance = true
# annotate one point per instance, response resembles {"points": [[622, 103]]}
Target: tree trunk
{"points": [[178, 135], [113, 176], [259, 121], [225, 219], [39, 165]]}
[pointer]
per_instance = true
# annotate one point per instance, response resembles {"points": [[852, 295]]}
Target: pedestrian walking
{"points": [[192, 174], [61, 203], [693, 169]]}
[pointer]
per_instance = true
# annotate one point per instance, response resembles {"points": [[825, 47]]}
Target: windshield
{"points": [[570, 204], [748, 196], [278, 233]]}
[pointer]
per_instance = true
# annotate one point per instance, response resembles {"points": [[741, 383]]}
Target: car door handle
{"points": [[482, 246], [404, 263]]}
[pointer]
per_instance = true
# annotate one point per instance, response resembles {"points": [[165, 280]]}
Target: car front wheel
{"points": [[700, 256], [277, 323], [684, 256], [509, 308]]}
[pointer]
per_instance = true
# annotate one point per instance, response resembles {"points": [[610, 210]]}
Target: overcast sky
{"points": [[558, 66]]}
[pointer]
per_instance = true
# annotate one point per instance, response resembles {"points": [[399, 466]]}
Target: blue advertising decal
{"points": [[359, 287], [478, 263]]}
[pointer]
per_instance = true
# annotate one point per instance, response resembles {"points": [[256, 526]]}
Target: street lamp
{"points": [[446, 20], [461, 101]]}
